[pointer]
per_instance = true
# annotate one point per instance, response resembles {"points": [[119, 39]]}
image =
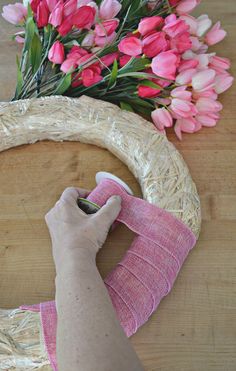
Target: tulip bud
{"points": [[57, 15], [109, 9], [130, 46], [149, 24], [56, 54], [42, 14], [215, 35], [162, 118], [84, 17], [203, 80], [14, 13]]}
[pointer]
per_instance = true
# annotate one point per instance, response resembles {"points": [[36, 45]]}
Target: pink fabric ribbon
{"points": [[147, 271]]}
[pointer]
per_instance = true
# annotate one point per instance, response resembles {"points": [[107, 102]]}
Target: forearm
{"points": [[89, 336]]}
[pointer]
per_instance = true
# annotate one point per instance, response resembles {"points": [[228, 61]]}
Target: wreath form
{"points": [[156, 164]]}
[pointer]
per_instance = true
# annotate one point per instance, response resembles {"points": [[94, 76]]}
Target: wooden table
{"points": [[194, 328]]}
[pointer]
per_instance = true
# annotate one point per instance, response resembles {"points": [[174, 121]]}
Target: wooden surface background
{"points": [[194, 328]]}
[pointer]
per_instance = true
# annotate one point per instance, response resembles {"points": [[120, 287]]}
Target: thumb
{"points": [[109, 212]]}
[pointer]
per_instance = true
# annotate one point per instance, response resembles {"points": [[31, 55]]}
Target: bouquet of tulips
{"points": [[150, 57]]}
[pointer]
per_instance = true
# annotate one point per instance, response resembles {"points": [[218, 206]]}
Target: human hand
{"points": [[71, 229]]}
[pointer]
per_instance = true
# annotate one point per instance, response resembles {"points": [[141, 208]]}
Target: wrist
{"points": [[69, 257]]}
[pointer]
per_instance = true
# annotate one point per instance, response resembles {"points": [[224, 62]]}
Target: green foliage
{"points": [[113, 75], [126, 106], [151, 84], [63, 85], [36, 77], [30, 31], [35, 53], [19, 79]]}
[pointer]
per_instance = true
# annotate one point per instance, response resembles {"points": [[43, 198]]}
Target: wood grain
{"points": [[194, 328]]}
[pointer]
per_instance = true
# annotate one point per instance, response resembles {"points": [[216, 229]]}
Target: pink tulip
{"points": [[76, 80], [84, 2], [203, 80], [215, 35], [223, 82], [203, 59], [219, 64], [185, 77], [210, 93], [174, 26], [154, 43], [66, 26], [88, 40], [181, 93], [106, 28], [34, 5], [165, 64], [130, 46], [77, 52], [186, 6], [42, 14], [72, 58], [84, 17], [51, 4], [56, 54], [182, 108], [109, 9], [181, 43], [191, 22], [56, 16], [187, 64], [68, 65], [208, 105], [14, 13], [187, 125], [20, 37], [105, 40], [195, 43], [203, 24], [124, 59], [108, 59], [147, 92], [149, 24], [162, 118], [91, 75], [70, 7], [173, 2], [207, 119]]}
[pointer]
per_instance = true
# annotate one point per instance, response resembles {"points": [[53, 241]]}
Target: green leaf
{"points": [[137, 75], [126, 106], [145, 112], [64, 84], [135, 64], [113, 76], [29, 32], [136, 101], [151, 84], [19, 78], [29, 10], [35, 53]]}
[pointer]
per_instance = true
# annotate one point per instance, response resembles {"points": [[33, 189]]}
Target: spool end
{"points": [[101, 175]]}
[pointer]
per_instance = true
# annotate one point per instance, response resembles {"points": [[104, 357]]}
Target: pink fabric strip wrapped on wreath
{"points": [[147, 271]]}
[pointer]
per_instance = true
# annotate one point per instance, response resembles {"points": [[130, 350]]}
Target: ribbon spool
{"points": [[90, 207]]}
